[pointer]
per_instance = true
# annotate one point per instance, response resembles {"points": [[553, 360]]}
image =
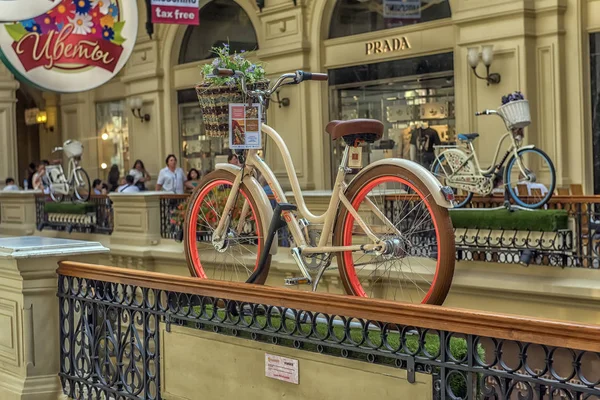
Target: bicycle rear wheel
{"points": [[441, 170], [417, 265], [235, 257], [81, 185]]}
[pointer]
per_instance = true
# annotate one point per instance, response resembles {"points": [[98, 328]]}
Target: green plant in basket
{"points": [[215, 93], [237, 62]]}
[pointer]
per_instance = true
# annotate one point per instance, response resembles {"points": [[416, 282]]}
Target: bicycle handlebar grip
{"points": [[223, 72], [318, 76]]}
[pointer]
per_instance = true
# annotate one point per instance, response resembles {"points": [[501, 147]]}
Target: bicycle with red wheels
{"points": [[389, 227]]}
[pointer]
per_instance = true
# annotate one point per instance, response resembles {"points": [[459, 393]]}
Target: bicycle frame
{"points": [[327, 219], [64, 185]]}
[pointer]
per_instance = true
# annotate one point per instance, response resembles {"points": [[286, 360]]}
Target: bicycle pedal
{"points": [[297, 281]]}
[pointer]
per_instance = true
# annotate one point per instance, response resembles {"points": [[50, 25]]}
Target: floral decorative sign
{"points": [[76, 46], [17, 10]]}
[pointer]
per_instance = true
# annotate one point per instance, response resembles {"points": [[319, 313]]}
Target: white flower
{"points": [[82, 24], [103, 4]]}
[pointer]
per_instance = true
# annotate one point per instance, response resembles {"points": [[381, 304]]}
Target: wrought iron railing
{"points": [[100, 220], [170, 219], [110, 341]]}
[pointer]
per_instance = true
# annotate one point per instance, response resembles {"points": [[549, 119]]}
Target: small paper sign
{"points": [[244, 126], [281, 368]]}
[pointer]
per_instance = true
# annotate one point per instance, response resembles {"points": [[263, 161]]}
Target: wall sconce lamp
{"points": [[487, 56], [136, 103], [285, 102]]}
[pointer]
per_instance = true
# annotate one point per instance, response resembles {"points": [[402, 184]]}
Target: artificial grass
{"points": [[69, 208], [538, 220]]}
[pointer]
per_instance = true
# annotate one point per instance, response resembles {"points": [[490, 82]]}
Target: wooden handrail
{"points": [[523, 329], [175, 196]]}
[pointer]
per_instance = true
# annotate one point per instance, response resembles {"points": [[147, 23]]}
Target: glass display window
{"points": [[417, 109], [113, 136]]}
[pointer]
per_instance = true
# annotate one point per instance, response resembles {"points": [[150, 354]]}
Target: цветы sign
{"points": [[76, 46], [17, 10], [184, 12]]}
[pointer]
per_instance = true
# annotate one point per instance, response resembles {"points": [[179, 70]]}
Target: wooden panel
{"points": [[525, 329]]}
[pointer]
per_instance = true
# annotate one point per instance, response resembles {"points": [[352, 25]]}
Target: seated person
{"points": [[129, 186], [10, 185]]}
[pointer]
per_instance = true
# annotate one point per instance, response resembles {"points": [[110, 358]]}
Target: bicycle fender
{"points": [[428, 179], [528, 147], [260, 197]]}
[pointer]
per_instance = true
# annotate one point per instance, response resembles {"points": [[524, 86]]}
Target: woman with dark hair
{"points": [[113, 177], [140, 175], [171, 177], [97, 186], [193, 179]]}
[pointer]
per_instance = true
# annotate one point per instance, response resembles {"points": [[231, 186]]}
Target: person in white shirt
{"points": [[171, 178], [10, 185], [140, 175], [128, 187]]}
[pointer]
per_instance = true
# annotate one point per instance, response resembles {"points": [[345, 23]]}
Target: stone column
{"points": [[137, 219], [17, 213], [8, 124], [29, 329]]}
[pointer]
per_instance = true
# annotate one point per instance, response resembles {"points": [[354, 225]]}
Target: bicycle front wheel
{"points": [[81, 185], [530, 184], [235, 256], [417, 264]]}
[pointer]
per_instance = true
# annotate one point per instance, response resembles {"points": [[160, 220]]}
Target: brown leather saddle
{"points": [[368, 130]]}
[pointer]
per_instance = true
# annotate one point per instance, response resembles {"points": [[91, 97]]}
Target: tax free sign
{"points": [[182, 12]]}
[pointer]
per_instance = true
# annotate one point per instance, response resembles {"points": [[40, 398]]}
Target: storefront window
{"points": [[113, 136], [224, 22], [352, 17], [595, 79], [414, 98]]}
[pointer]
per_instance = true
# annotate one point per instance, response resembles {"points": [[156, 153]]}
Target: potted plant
{"points": [[215, 93]]}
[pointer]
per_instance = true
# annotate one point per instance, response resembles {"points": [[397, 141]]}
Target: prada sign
{"points": [[387, 45]]}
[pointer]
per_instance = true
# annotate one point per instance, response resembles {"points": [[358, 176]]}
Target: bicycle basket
{"points": [[73, 149], [516, 114], [214, 102]]}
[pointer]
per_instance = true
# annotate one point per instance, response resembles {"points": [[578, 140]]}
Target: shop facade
{"points": [[410, 72]]}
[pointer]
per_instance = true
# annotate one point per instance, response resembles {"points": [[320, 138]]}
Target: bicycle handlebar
{"points": [[285, 79], [57, 149]]}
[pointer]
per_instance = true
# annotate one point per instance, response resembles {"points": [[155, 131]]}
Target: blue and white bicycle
{"points": [[529, 177]]}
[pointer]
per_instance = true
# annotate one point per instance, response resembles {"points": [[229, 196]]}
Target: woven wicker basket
{"points": [[214, 102]]}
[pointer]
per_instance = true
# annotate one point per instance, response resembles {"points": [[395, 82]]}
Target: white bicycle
{"points": [[529, 177], [76, 184]]}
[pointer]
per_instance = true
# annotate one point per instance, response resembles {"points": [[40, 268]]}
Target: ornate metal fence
{"points": [[100, 220], [170, 222], [110, 339]]}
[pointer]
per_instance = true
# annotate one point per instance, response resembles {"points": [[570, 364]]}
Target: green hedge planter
{"points": [[538, 220], [69, 208]]}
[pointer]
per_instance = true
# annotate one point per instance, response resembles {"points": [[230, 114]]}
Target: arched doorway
{"points": [[222, 21], [28, 136]]}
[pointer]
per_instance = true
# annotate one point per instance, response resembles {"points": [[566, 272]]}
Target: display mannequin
{"points": [[415, 133], [429, 138]]}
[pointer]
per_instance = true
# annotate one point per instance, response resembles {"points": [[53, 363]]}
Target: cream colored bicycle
{"points": [[389, 226]]}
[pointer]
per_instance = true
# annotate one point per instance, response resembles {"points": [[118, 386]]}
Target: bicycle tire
{"points": [[511, 190], [56, 197], [446, 258], [434, 169], [86, 178], [190, 232]]}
